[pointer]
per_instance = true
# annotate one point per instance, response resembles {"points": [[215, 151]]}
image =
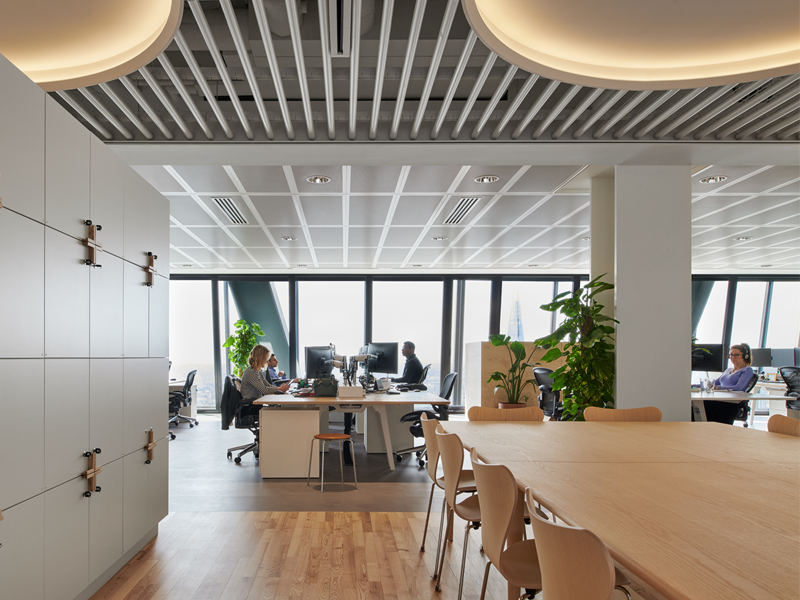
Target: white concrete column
{"points": [[602, 237], [654, 288]]}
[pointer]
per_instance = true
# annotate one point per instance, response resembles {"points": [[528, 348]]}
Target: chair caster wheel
{"points": [[438, 589], [230, 456], [419, 454], [172, 436], [398, 458], [197, 423], [237, 460], [421, 463], [190, 425]]}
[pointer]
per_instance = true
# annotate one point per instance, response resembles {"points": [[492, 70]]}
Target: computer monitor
{"points": [[782, 357], [713, 360], [387, 357], [761, 357], [319, 361]]}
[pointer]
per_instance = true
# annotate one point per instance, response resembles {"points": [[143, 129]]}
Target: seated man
{"points": [[272, 370], [412, 372]]}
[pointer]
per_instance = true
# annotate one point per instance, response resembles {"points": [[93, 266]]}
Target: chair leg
{"points": [[439, 543], [321, 466], [464, 559], [624, 590], [353, 454], [485, 579], [450, 516], [428, 518], [310, 458], [341, 464]]}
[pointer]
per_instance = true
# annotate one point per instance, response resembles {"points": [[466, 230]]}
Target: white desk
{"points": [[699, 409]]}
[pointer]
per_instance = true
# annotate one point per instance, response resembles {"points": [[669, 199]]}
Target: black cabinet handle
{"points": [[87, 494], [97, 451], [87, 454], [97, 489]]}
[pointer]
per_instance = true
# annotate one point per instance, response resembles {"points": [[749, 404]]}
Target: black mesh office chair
{"points": [[178, 400], [424, 375], [243, 416], [549, 400], [791, 377], [743, 412], [439, 412]]}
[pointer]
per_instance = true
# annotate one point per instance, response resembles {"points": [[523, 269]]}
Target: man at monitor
{"points": [[272, 370], [412, 372]]}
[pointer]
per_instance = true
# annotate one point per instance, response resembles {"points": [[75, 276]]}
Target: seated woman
{"points": [[736, 378], [254, 382]]}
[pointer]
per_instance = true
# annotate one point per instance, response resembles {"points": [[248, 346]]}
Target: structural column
{"points": [[602, 237], [653, 288]]}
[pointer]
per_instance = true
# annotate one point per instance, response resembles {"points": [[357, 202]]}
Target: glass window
{"points": [[477, 303], [411, 311], [329, 312], [563, 286], [712, 322], [520, 314], [191, 338], [783, 329], [748, 313]]}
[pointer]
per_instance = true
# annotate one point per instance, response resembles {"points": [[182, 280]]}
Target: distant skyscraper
{"points": [[515, 321]]}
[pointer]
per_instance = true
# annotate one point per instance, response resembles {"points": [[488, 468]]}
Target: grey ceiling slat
{"points": [[498, 93], [137, 95], [677, 105], [222, 69], [302, 77], [411, 48], [693, 110], [355, 50], [184, 93], [726, 102], [621, 112], [106, 113], [584, 104], [568, 95], [522, 93], [644, 113], [790, 109], [789, 132], [535, 108], [764, 108], [491, 58], [383, 49], [272, 59], [601, 110], [126, 110], [244, 58], [327, 71], [441, 40], [88, 117], [162, 97], [469, 44]]}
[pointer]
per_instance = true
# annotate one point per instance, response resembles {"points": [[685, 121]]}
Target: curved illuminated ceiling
{"points": [[63, 45], [642, 44]]}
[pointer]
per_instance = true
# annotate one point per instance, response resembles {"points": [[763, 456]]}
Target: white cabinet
{"points": [[66, 540], [22, 276], [67, 162], [22, 147], [66, 292], [22, 551], [136, 300], [158, 483], [66, 419], [21, 448], [157, 383], [107, 184], [159, 317], [138, 201], [106, 388], [105, 520], [135, 499], [106, 321], [159, 231], [138, 406]]}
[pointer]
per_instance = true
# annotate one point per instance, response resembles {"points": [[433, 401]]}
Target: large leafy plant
{"points": [[587, 375], [512, 381], [241, 342]]}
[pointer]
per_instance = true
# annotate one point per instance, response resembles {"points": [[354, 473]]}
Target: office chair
{"points": [[178, 400], [439, 412], [743, 412], [791, 377], [244, 416], [424, 374], [549, 400]]}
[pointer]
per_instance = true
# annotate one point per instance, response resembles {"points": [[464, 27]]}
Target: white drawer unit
{"points": [[105, 519], [107, 197], [136, 300], [66, 540], [106, 321], [106, 389], [22, 551]]}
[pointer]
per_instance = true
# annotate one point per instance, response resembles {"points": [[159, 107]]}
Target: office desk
{"points": [[699, 409], [379, 402], [694, 510]]}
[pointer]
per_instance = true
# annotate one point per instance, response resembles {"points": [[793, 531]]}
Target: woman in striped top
{"points": [[254, 382]]}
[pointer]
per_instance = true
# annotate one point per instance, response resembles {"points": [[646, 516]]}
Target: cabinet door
{"points": [[158, 483], [159, 231], [21, 430], [66, 541], [22, 551], [66, 171], [107, 184], [66, 292], [159, 317], [22, 274], [136, 237], [137, 407], [157, 385], [105, 520], [66, 419], [135, 499], [136, 302], [106, 319], [106, 377], [22, 150]]}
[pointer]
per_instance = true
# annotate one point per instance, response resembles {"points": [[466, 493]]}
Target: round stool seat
{"points": [[331, 436]]}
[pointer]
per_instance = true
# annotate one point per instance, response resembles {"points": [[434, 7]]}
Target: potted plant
{"points": [[587, 375], [241, 342], [512, 381]]}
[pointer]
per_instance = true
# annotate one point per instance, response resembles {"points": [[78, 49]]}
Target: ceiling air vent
{"points": [[460, 211], [228, 206]]}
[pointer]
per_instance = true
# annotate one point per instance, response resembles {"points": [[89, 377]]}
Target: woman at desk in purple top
{"points": [[736, 378]]}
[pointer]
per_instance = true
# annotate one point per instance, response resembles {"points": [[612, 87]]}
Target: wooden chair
{"points": [[560, 549], [485, 413], [646, 413], [498, 493], [784, 425]]}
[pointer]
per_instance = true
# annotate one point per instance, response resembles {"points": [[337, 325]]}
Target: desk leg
{"points": [[752, 410], [515, 535], [381, 410], [699, 410]]}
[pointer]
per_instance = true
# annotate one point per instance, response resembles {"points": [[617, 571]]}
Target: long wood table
{"points": [[694, 510]]}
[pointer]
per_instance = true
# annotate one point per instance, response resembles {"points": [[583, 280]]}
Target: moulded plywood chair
{"points": [[560, 548], [784, 425], [486, 413], [646, 413], [498, 493]]}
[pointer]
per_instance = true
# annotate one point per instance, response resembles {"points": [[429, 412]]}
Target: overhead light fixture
{"points": [[533, 265], [288, 238], [416, 265], [301, 265], [186, 266], [743, 238], [714, 179], [439, 238], [766, 266], [487, 179], [318, 179], [586, 239]]}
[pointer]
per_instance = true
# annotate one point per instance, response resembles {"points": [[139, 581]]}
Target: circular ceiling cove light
{"points": [[65, 45], [318, 179], [487, 179], [635, 45], [713, 179]]}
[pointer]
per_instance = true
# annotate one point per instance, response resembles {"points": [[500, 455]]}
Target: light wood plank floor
{"points": [[308, 555]]}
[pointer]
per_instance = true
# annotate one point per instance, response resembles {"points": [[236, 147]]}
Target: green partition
{"points": [[257, 302]]}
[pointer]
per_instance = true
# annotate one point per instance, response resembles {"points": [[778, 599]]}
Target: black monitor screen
{"points": [[761, 357], [713, 360], [318, 361], [782, 357], [387, 357]]}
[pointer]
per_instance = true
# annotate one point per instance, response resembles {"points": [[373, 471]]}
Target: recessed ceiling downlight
{"points": [[586, 239], [714, 179], [439, 238], [318, 179], [302, 266], [288, 238], [186, 266], [416, 265], [766, 266], [743, 238], [487, 179], [533, 265]]}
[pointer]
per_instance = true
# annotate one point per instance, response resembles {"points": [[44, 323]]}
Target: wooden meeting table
{"points": [[693, 510]]}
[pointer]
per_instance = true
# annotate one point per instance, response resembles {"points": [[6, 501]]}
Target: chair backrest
{"points": [[424, 374], [646, 413], [486, 413], [447, 385], [791, 376], [497, 490], [431, 443], [784, 425], [451, 452], [187, 387], [542, 376], [752, 383], [560, 549]]}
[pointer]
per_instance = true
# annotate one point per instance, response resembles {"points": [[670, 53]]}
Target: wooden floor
{"points": [[309, 555]]}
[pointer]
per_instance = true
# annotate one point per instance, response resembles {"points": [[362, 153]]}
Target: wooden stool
{"points": [[331, 437]]}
